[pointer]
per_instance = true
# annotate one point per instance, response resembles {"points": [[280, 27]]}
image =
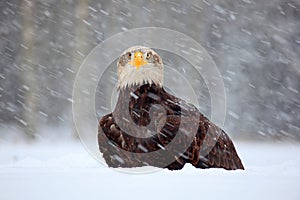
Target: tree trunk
{"points": [[28, 63], [81, 46]]}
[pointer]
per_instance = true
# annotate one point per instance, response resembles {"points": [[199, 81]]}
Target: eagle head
{"points": [[139, 65]]}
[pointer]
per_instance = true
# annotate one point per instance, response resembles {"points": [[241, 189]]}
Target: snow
{"points": [[67, 171], [255, 45]]}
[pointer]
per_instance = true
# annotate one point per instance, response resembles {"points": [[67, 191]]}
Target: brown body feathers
{"points": [[125, 140]]}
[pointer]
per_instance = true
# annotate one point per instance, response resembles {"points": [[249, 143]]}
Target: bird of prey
{"points": [[146, 119]]}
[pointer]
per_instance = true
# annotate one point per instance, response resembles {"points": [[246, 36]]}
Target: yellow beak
{"points": [[138, 60]]}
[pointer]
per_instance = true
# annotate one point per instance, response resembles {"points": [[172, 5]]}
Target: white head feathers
{"points": [[139, 65]]}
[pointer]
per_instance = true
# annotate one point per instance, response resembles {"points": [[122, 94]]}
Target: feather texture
{"points": [[146, 119]]}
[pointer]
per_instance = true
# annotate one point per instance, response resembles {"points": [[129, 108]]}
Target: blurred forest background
{"points": [[255, 44]]}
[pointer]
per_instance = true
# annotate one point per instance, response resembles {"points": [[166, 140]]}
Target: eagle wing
{"points": [[211, 147], [216, 150]]}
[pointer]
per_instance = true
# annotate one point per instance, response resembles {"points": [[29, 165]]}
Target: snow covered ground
{"points": [[67, 171]]}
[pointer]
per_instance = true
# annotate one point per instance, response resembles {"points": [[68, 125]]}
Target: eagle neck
{"points": [[135, 102]]}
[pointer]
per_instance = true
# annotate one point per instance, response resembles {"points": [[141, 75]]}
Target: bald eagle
{"points": [[146, 119]]}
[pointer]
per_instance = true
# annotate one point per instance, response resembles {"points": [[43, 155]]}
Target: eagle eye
{"points": [[148, 55], [129, 55]]}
